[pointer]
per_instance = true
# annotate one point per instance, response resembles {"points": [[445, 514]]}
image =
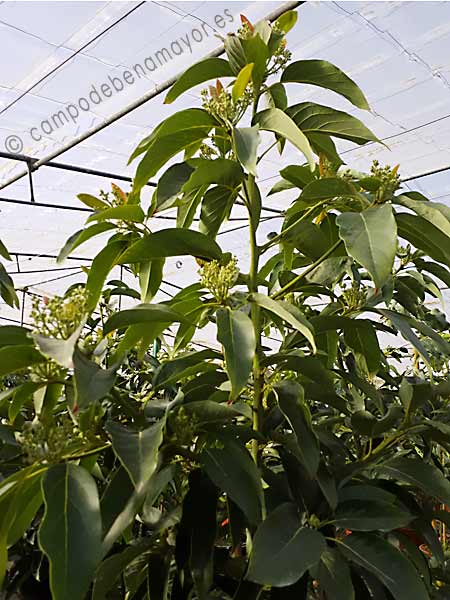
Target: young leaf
{"points": [[132, 213], [171, 242], [283, 550], [92, 201], [370, 237], [246, 141], [70, 531], [274, 119], [287, 21], [242, 80], [209, 68], [387, 563], [236, 334], [325, 75], [137, 450]]}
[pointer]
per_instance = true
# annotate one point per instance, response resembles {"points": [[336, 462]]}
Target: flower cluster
{"points": [[219, 279], [389, 181], [48, 443], [59, 317]]}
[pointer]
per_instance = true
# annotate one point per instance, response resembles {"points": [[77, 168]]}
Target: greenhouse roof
{"points": [[68, 67]]}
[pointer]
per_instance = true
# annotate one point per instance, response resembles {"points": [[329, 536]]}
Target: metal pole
{"points": [[159, 89]]}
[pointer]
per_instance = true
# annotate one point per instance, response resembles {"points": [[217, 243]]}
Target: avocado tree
{"points": [[310, 465]]}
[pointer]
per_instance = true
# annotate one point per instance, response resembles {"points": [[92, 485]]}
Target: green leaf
{"points": [[27, 500], [171, 242], [401, 323], [198, 524], [418, 473], [150, 278], [137, 450], [387, 563], [246, 141], [316, 118], [283, 550], [437, 270], [102, 264], [70, 531], [242, 80], [276, 96], [299, 175], [128, 212], [423, 235], [114, 566], [143, 313], [209, 68], [172, 371], [221, 171], [4, 252], [363, 340], [81, 236], [14, 335], [233, 471], [370, 237], [286, 21], [291, 399], [92, 201], [435, 213], [236, 334], [289, 313], [274, 119], [367, 515], [326, 189], [216, 206], [7, 291], [188, 119], [92, 383], [16, 358], [334, 576], [115, 496], [325, 75], [170, 185]]}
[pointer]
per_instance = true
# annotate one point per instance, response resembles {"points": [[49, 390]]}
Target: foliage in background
{"points": [[136, 465]]}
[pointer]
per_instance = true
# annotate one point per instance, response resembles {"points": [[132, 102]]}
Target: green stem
{"points": [[255, 317], [307, 271]]}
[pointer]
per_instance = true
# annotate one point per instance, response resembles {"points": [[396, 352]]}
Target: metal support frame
{"points": [[159, 89]]}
